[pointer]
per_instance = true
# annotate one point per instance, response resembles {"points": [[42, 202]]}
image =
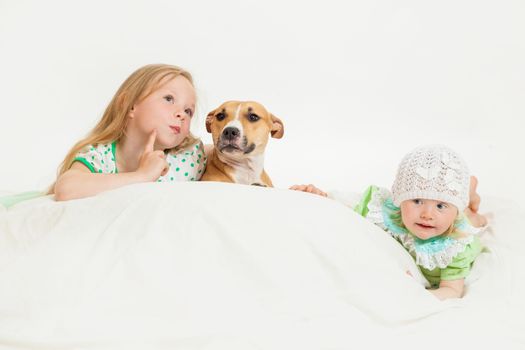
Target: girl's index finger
{"points": [[151, 141]]}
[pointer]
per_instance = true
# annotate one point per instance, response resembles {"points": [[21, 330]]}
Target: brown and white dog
{"points": [[240, 132]]}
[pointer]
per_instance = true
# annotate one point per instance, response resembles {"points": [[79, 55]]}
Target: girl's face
{"points": [[427, 218], [168, 110]]}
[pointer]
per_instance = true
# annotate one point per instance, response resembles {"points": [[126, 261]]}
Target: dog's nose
{"points": [[230, 133]]}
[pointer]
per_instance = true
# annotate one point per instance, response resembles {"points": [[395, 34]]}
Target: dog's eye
{"points": [[220, 116], [253, 117]]}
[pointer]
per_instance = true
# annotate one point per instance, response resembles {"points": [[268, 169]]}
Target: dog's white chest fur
{"points": [[246, 171], [246, 177]]}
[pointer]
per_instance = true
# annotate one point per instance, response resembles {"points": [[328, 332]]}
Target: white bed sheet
{"points": [[222, 266]]}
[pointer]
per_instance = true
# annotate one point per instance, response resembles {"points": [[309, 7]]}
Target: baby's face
{"points": [[426, 218]]}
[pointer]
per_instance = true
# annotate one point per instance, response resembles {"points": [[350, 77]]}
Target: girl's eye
{"points": [[220, 116], [253, 117], [169, 98], [417, 201], [441, 206], [189, 112]]}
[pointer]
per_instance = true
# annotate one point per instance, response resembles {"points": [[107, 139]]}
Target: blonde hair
{"points": [[139, 85]]}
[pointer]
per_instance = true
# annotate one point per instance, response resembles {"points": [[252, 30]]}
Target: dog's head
{"points": [[241, 129]]}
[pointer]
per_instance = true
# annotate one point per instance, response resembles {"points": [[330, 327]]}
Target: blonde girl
{"points": [[143, 136]]}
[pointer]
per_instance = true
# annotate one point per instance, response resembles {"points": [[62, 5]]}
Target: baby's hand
{"points": [[152, 163], [309, 188]]}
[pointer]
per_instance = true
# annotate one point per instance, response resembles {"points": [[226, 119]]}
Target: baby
{"points": [[427, 213]]}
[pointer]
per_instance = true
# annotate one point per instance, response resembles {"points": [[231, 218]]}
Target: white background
{"points": [[357, 83]]}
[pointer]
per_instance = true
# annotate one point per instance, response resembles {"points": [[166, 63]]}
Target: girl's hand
{"points": [[152, 163], [310, 189]]}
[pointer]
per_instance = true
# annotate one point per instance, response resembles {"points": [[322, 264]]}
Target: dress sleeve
{"points": [[98, 159], [461, 264], [377, 207], [362, 207]]}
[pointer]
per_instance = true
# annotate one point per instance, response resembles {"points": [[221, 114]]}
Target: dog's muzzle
{"points": [[230, 133], [231, 141]]}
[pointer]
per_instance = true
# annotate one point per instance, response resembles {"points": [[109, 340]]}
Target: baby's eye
{"points": [[189, 112], [169, 98], [417, 201], [441, 206]]}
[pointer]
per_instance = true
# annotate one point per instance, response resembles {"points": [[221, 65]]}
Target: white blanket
{"points": [[222, 266]]}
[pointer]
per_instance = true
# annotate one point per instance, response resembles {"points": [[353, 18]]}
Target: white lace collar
{"points": [[431, 253]]}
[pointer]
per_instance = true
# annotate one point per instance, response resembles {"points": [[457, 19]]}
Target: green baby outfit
{"points": [[187, 164], [445, 257]]}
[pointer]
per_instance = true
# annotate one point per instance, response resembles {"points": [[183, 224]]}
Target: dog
{"points": [[240, 132]]}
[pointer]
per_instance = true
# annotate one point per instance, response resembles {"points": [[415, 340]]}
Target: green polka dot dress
{"points": [[183, 164], [99, 158], [187, 164]]}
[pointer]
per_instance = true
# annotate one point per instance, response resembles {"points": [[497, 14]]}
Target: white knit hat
{"points": [[432, 172]]}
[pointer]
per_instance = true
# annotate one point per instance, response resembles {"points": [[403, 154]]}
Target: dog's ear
{"points": [[277, 127], [209, 119]]}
